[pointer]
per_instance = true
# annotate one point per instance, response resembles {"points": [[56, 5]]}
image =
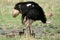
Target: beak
{"points": [[15, 13]]}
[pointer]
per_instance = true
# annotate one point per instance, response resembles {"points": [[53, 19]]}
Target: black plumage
{"points": [[32, 11]]}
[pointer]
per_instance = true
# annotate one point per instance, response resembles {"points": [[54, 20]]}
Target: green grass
{"points": [[7, 21]]}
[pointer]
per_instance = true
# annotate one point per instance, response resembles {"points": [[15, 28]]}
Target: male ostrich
{"points": [[31, 12]]}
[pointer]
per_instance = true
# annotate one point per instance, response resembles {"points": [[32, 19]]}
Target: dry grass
{"points": [[8, 22]]}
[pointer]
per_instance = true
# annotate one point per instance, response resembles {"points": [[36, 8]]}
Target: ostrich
{"points": [[31, 12]]}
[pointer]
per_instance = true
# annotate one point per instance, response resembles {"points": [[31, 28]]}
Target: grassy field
{"points": [[8, 22]]}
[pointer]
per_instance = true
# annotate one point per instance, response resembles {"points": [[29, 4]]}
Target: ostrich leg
{"points": [[28, 27]]}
